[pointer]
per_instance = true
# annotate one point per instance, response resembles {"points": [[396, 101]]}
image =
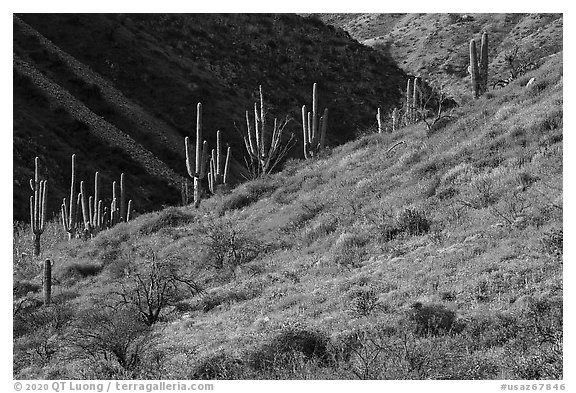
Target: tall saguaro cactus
{"points": [[69, 214], [199, 171], [85, 210], [415, 100], [474, 72], [483, 65], [314, 129], [122, 198], [37, 207], [409, 93], [47, 282], [265, 151]]}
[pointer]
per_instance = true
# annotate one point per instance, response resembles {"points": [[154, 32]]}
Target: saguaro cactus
{"points": [[218, 175], [394, 119], [474, 73], [415, 100], [37, 207], [483, 66], [129, 211], [379, 120], [122, 198], [85, 210], [265, 151], [409, 93], [314, 129], [199, 171], [47, 282], [96, 202], [69, 215]]}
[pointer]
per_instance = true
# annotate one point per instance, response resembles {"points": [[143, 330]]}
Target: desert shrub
{"points": [[349, 249], [79, 270], [228, 245], [413, 222], [39, 333], [364, 300], [553, 243], [277, 352], [492, 330], [110, 333], [217, 366], [152, 284], [432, 319]]}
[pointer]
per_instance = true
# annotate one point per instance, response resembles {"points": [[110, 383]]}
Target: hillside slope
{"points": [[410, 255], [142, 75], [435, 46]]}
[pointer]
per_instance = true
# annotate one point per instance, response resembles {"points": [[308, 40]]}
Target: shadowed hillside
{"points": [[121, 91]]}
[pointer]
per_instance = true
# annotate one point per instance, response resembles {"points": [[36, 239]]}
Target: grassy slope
{"points": [[490, 183], [144, 74]]}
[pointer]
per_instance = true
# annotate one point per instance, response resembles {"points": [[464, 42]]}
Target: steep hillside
{"points": [[140, 76], [406, 255], [435, 46]]}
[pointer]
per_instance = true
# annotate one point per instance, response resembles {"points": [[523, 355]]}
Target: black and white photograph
{"points": [[287, 196]]}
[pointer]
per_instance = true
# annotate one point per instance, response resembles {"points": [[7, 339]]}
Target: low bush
{"points": [[364, 300], [276, 353], [413, 222], [432, 319], [218, 366], [79, 270], [349, 249], [553, 243]]}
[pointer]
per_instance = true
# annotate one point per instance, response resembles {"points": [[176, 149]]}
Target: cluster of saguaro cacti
{"points": [[120, 211], [413, 101], [219, 171], [90, 209], [37, 207], [314, 129], [264, 148], [479, 67]]}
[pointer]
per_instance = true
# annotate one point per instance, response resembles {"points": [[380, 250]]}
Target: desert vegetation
{"points": [[429, 247]]}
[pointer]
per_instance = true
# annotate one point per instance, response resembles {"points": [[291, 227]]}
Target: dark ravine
{"points": [[142, 75]]}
